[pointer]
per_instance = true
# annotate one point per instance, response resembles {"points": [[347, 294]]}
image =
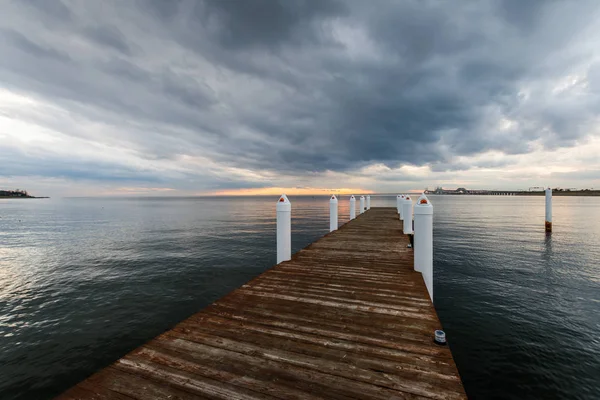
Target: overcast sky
{"points": [[199, 97]]}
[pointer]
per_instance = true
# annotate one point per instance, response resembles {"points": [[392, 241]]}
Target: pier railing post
{"points": [[548, 210], [407, 215], [284, 229], [399, 205], [352, 207], [423, 241], [368, 202], [333, 213], [362, 204]]}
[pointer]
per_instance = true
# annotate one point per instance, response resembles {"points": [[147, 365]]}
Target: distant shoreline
{"points": [[563, 193], [584, 193], [23, 197]]}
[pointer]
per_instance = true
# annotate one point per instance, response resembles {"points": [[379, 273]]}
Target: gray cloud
{"points": [[36, 51], [108, 36], [309, 85], [266, 23], [50, 10]]}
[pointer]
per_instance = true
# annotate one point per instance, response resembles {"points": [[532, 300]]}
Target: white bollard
{"points": [[368, 202], [333, 213], [398, 205], [362, 205], [548, 210], [352, 207], [407, 215], [401, 205], [423, 241], [284, 229]]}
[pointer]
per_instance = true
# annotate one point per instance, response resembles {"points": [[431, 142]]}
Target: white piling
{"points": [[401, 205], [368, 202], [352, 207], [284, 229], [423, 241], [407, 215], [548, 210], [333, 213], [362, 205]]}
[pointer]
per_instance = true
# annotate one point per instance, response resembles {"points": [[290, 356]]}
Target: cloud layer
{"points": [[205, 96]]}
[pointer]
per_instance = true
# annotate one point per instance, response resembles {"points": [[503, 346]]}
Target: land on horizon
{"points": [[499, 192], [18, 194]]}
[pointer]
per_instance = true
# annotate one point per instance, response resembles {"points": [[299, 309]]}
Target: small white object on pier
{"points": [[284, 229], [333, 213], [423, 241], [362, 205], [352, 207], [368, 202]]}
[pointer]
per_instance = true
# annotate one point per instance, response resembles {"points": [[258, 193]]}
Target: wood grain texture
{"points": [[346, 318]]}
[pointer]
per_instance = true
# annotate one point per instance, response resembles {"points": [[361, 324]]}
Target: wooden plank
{"points": [[346, 318]]}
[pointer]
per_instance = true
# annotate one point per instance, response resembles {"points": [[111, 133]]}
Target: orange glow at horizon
{"points": [[292, 191]]}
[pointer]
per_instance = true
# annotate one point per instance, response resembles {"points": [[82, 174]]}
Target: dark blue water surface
{"points": [[83, 281]]}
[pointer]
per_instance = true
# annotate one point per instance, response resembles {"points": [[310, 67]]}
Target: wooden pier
{"points": [[346, 318]]}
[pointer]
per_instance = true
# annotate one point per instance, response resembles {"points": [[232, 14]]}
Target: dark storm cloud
{"points": [[309, 85], [266, 23]]}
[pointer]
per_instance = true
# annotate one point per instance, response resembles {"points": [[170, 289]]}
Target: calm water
{"points": [[83, 281]]}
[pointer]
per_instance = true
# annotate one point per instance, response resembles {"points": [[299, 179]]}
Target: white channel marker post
{"points": [[333, 213], [284, 229], [368, 202], [548, 210], [362, 204], [407, 215], [423, 241], [352, 207]]}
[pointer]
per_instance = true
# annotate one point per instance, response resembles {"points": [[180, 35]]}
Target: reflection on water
{"points": [[82, 281], [519, 305]]}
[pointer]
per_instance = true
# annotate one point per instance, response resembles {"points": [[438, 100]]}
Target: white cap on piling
{"points": [[283, 204], [352, 197], [423, 205], [333, 199]]}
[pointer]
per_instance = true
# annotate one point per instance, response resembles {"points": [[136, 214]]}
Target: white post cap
{"points": [[352, 197], [333, 199], [423, 206], [283, 204]]}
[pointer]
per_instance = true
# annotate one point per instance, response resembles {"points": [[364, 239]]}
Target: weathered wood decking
{"points": [[347, 317]]}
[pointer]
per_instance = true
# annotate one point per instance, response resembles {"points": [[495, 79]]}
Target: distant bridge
{"points": [[463, 191]]}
